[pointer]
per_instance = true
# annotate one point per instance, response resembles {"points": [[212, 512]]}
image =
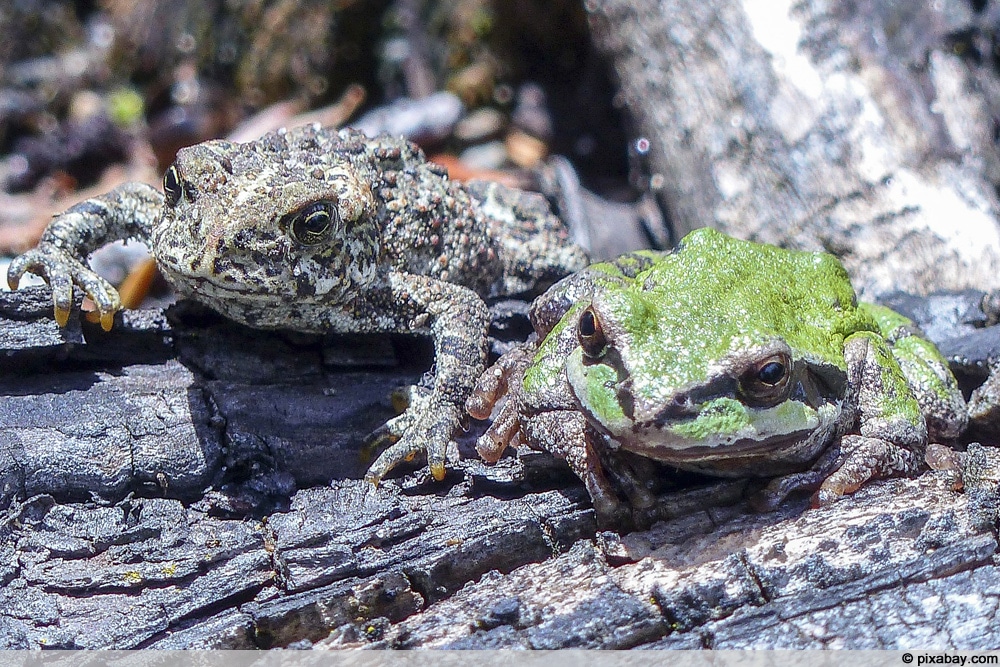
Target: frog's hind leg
{"points": [[935, 388], [567, 435], [892, 434], [927, 372]]}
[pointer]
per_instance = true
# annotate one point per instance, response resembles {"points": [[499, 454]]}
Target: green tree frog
{"points": [[724, 357]]}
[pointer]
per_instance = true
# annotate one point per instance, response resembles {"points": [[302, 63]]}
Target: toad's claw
{"points": [[404, 450], [425, 426], [61, 270], [61, 315]]}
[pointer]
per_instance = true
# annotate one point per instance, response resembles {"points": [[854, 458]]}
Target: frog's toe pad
{"points": [[499, 380], [490, 388], [500, 434]]}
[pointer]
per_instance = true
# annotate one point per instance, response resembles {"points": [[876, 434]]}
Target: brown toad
{"points": [[323, 230]]}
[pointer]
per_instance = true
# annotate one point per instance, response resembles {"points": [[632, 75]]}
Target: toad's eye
{"points": [[591, 334], [172, 187], [311, 225], [766, 382]]}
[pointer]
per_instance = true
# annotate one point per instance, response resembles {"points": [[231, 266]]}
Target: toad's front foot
{"points": [[61, 270], [426, 425]]}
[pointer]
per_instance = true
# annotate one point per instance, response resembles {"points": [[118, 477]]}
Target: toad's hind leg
{"points": [[458, 321], [533, 243]]}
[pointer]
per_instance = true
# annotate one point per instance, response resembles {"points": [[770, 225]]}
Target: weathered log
{"points": [[850, 126], [183, 482], [210, 496]]}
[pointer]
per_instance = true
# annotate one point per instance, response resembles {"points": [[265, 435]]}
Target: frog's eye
{"points": [[172, 187], [591, 335], [311, 225], [767, 380], [771, 373]]}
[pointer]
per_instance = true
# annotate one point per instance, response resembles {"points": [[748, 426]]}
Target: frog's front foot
{"points": [[865, 458], [502, 379], [426, 425], [841, 471], [61, 270]]}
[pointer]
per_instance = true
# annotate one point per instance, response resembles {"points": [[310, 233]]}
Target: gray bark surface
{"points": [[210, 496], [848, 126]]}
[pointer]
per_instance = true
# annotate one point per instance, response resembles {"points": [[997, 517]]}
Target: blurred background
{"points": [[96, 92]]}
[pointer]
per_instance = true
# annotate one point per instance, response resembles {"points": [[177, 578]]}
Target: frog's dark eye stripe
{"points": [[591, 334], [311, 225], [172, 187], [766, 381]]}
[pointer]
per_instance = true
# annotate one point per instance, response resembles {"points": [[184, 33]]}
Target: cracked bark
{"points": [[245, 523]]}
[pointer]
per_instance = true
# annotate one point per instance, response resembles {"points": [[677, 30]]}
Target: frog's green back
{"points": [[717, 294]]}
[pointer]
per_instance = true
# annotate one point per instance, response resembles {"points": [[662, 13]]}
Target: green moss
{"points": [[548, 363], [722, 416], [888, 320], [602, 398]]}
